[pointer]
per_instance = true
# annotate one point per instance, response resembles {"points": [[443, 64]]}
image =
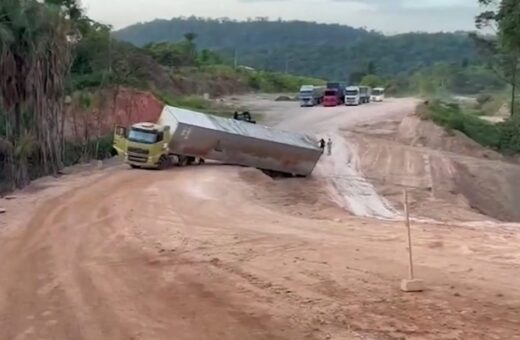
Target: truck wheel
{"points": [[133, 166], [163, 163], [183, 160], [190, 160]]}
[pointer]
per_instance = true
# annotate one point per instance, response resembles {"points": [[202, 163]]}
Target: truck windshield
{"points": [[142, 136], [306, 93], [351, 93], [330, 93], [377, 92]]}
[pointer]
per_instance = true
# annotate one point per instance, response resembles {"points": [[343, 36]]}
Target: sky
{"points": [[387, 16]]}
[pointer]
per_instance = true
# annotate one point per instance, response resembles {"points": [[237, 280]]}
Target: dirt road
{"points": [[218, 252]]}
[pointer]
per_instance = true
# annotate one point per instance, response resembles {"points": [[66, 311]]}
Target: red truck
{"points": [[331, 97]]}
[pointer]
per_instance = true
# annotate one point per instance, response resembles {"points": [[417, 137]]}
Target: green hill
{"points": [[307, 48]]}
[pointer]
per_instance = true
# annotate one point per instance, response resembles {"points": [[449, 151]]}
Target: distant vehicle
{"points": [[352, 96], [332, 97], [378, 94], [310, 95], [364, 94], [340, 86], [357, 95]]}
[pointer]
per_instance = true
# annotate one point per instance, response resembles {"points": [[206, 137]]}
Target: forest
{"points": [[320, 50]]}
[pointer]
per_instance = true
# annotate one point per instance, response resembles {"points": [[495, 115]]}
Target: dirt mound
{"points": [[416, 132], [303, 197], [111, 107], [491, 188], [285, 99], [448, 175]]}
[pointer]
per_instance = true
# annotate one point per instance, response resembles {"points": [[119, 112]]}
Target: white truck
{"points": [[378, 94], [357, 95], [310, 95]]}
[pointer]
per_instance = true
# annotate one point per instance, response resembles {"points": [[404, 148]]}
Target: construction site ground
{"points": [[223, 252]]}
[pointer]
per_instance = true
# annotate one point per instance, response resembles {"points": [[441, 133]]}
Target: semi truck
{"points": [[364, 94], [331, 97], [340, 87], [310, 95], [352, 95], [357, 95], [184, 137]]}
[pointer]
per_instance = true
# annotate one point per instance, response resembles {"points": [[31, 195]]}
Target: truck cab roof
{"points": [[148, 126], [307, 88]]}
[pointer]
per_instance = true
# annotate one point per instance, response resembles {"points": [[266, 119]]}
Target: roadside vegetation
{"points": [[54, 59], [502, 137], [501, 58]]}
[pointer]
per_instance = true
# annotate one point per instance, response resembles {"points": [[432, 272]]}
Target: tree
{"points": [[503, 52], [190, 37], [372, 81], [265, 44], [371, 67], [34, 62], [356, 77]]}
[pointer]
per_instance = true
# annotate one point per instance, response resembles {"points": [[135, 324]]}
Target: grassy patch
{"points": [[452, 117], [504, 137], [200, 104], [271, 82]]}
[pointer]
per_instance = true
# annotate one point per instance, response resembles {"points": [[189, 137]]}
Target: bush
{"points": [[75, 152], [510, 136], [483, 98], [272, 82], [192, 102], [452, 117], [188, 102]]}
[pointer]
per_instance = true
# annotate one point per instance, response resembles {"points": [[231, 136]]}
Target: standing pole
{"points": [[411, 284], [407, 222]]}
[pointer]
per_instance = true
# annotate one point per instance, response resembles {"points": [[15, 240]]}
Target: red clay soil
{"points": [[117, 106]]}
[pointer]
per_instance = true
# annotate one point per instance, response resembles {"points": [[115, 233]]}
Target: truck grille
{"points": [[138, 151], [137, 158]]}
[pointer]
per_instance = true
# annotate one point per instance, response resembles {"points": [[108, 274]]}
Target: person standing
{"points": [[322, 144], [329, 147]]}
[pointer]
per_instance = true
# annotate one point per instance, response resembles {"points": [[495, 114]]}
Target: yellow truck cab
{"points": [[145, 145]]}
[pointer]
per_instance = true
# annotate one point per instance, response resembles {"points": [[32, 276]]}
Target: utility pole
{"points": [[235, 58]]}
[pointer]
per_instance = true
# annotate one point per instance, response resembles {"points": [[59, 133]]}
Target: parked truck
{"points": [[364, 94], [310, 95], [357, 95], [352, 96], [184, 137], [340, 87], [331, 97]]}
